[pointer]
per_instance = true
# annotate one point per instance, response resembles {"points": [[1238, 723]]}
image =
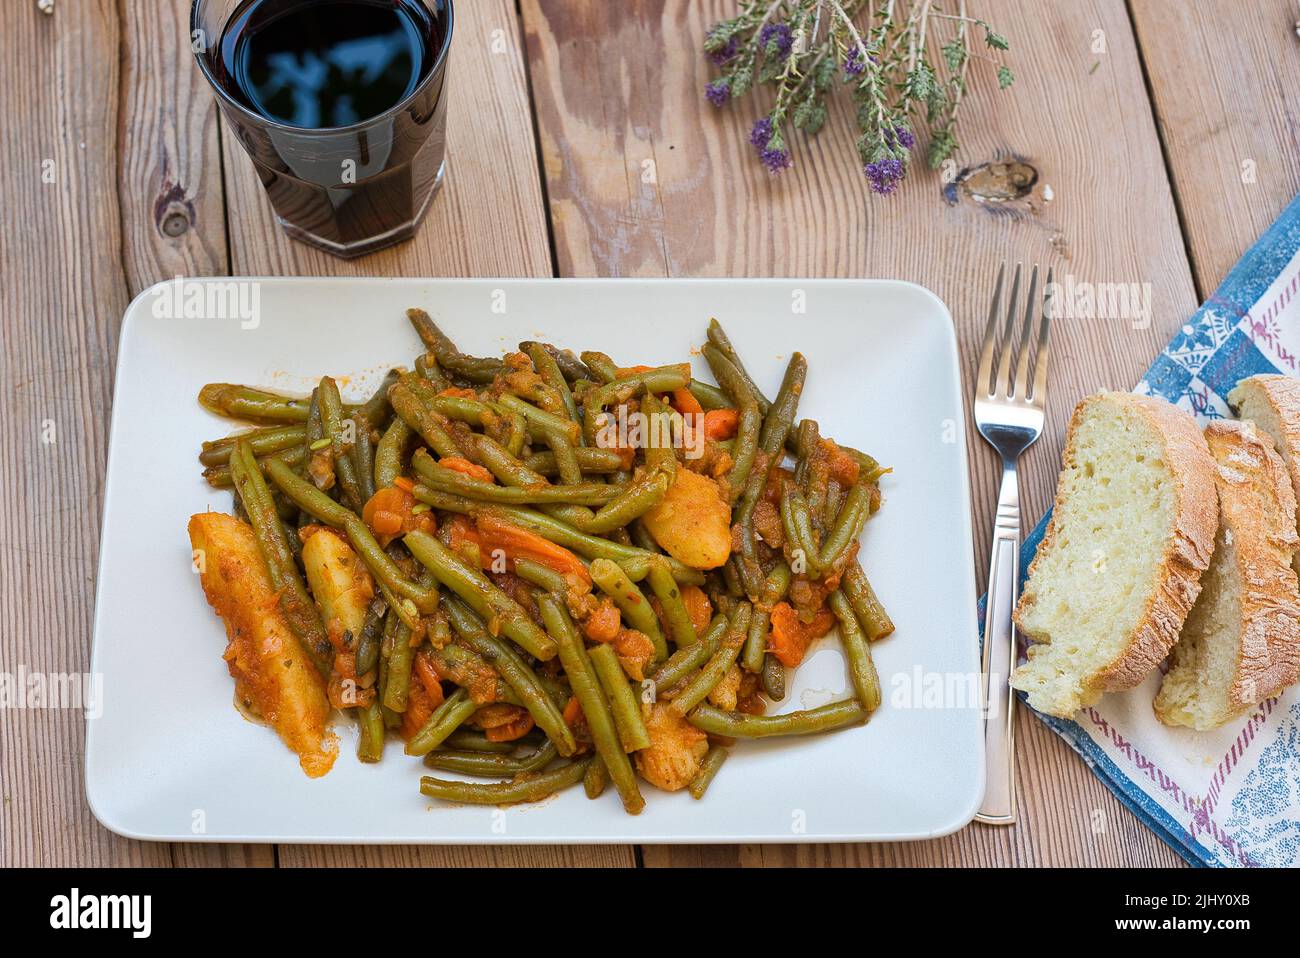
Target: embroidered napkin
{"points": [[1230, 797]]}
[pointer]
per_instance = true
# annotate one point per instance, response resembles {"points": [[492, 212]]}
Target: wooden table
{"points": [[579, 145]]}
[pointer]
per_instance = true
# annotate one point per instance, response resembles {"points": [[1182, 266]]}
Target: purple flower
{"points": [[781, 34], [761, 133], [724, 53], [718, 92], [903, 137], [775, 160], [853, 64], [884, 175]]}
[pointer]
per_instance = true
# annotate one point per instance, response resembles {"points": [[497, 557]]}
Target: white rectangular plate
{"points": [[170, 758]]}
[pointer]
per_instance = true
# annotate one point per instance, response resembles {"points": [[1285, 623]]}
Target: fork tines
{"points": [[1007, 339]]}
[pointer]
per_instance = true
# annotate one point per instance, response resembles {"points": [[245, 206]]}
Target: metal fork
{"points": [[1009, 415]]}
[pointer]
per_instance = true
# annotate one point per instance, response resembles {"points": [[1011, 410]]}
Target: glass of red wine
{"points": [[340, 105]]}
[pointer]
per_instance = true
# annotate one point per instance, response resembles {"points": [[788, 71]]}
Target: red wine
{"points": [[340, 105], [321, 64]]}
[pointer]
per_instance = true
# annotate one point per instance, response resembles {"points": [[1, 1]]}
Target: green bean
{"points": [[331, 408], [549, 369], [718, 337], [875, 620], [377, 409], [371, 635], [464, 740], [631, 601], [363, 457], [857, 651], [595, 707], [588, 546], [570, 366], [669, 593], [713, 760], [319, 461], [541, 575], [601, 366], [697, 689], [264, 440], [774, 590], [300, 611], [533, 788], [391, 451], [731, 578], [634, 500], [780, 416], [387, 575], [685, 661], [219, 476], [402, 656], [596, 779], [807, 722], [391, 621], [660, 379], [446, 718], [252, 405], [371, 732], [773, 677], [480, 594], [450, 358], [515, 672], [745, 449], [590, 460], [489, 765], [457, 483], [659, 457], [798, 530], [848, 526], [544, 421], [432, 427], [709, 396], [622, 700]]}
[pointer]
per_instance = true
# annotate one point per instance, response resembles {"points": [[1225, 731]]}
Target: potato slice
{"points": [[274, 677], [339, 580], [692, 522]]}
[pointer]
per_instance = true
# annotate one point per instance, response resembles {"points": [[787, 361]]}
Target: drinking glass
{"points": [[348, 190]]}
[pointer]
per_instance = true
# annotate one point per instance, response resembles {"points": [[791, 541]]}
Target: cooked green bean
{"points": [[875, 620], [685, 661], [459, 484], [631, 601], [718, 338], [596, 779], [515, 672], [450, 358], [432, 427], [669, 593], [697, 689], [253, 405], [264, 441], [371, 636], [534, 788], [595, 707], [604, 369], [634, 500], [866, 680], [848, 526], [549, 369], [465, 740], [745, 450], [713, 760], [773, 677], [709, 396], [623, 701], [779, 420], [774, 590], [391, 452], [480, 594], [545, 422], [371, 732], [590, 460], [541, 575], [402, 656], [660, 379], [272, 542], [363, 457], [331, 408], [446, 718], [806, 722], [488, 764], [219, 476], [570, 366], [387, 575]]}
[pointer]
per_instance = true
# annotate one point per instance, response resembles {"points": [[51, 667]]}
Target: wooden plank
{"points": [[488, 220], [605, 118], [62, 259], [172, 202], [1230, 131]]}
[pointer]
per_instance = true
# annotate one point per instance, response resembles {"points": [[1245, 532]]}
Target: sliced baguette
{"points": [[1241, 642], [1272, 403], [1120, 566]]}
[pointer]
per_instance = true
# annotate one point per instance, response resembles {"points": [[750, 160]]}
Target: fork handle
{"points": [[999, 805]]}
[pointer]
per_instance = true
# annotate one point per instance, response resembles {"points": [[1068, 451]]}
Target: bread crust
{"points": [[1195, 522], [1282, 394]]}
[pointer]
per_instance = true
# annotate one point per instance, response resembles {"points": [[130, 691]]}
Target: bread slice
{"points": [[1241, 643], [1272, 402], [1120, 566]]}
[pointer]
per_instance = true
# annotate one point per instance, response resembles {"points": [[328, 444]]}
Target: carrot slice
{"points": [[684, 402], [405, 484], [721, 424], [465, 467], [603, 624], [519, 543], [844, 469], [698, 606], [459, 392], [790, 637]]}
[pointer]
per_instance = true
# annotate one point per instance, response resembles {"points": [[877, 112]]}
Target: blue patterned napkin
{"points": [[1230, 797]]}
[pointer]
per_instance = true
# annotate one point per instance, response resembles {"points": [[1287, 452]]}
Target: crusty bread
{"points": [[1120, 566], [1241, 642], [1272, 402]]}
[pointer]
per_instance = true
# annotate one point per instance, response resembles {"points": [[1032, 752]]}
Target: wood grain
{"points": [[1224, 78], [617, 91], [62, 260]]}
